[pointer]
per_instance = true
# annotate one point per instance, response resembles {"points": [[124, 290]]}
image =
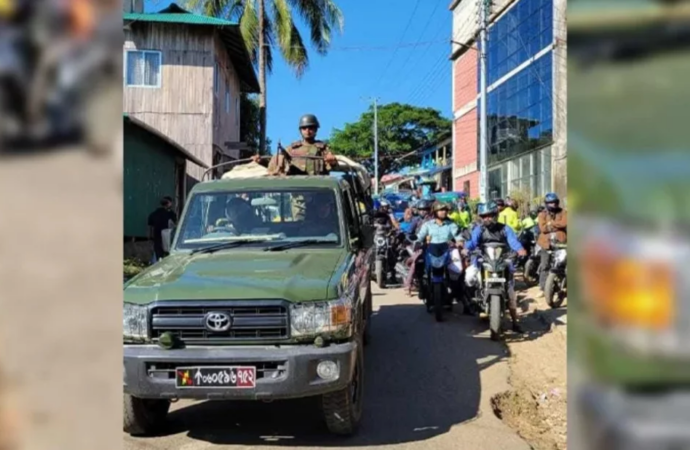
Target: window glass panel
{"points": [[143, 68]]}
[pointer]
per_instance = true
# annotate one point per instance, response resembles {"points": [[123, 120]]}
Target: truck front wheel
{"points": [[343, 409], [143, 416]]}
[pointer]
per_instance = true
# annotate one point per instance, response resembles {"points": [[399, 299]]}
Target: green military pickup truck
{"points": [[266, 295]]}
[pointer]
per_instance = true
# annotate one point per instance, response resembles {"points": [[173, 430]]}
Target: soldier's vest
{"points": [[309, 166], [495, 236]]}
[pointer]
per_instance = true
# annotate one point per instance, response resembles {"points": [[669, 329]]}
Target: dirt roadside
{"points": [[536, 406]]}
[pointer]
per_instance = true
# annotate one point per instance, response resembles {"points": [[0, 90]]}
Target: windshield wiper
{"points": [[226, 245], [294, 244]]}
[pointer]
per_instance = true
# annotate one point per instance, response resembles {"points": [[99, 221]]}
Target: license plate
{"points": [[495, 280], [235, 377]]}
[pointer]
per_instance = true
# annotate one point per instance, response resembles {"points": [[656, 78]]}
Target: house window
{"points": [[143, 68], [227, 100]]}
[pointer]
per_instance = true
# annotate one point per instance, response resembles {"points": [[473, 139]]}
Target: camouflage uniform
{"points": [[283, 163]]}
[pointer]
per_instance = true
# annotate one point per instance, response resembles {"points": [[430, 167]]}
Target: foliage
{"points": [[249, 121], [523, 197], [280, 30], [402, 129]]}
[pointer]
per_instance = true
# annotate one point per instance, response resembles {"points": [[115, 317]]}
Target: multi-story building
{"points": [[526, 110], [183, 76]]}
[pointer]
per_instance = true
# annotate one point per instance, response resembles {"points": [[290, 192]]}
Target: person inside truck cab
{"points": [[239, 218], [321, 218]]}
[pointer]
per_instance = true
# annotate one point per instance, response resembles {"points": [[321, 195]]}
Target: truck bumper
{"points": [[616, 419], [282, 373]]}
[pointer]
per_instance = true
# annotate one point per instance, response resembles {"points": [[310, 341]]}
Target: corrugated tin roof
{"points": [[229, 34], [178, 16]]}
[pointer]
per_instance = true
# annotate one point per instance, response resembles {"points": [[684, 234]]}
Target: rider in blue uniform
{"points": [[491, 231]]}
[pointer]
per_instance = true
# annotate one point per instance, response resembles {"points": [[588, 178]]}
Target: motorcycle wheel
{"points": [[495, 317], [552, 291], [528, 272], [380, 275], [439, 303]]}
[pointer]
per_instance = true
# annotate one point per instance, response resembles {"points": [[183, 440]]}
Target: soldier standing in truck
{"points": [[290, 162]]}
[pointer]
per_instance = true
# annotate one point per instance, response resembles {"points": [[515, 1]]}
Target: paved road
{"points": [[428, 385]]}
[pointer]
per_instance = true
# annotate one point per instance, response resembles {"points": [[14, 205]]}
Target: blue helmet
{"points": [[487, 209], [551, 198]]}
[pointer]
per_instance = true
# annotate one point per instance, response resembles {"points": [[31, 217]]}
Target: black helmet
{"points": [[424, 205], [308, 120]]}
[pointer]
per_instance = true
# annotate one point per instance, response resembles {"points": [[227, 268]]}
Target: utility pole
{"points": [[483, 175], [376, 148]]}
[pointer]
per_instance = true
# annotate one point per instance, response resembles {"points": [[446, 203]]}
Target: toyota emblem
{"points": [[218, 321]]}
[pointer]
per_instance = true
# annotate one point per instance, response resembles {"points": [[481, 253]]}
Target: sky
{"points": [[394, 50]]}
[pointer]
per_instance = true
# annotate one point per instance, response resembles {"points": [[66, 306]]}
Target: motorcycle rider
{"points": [[424, 210], [440, 229], [462, 216], [384, 216], [553, 219], [507, 215], [493, 231]]}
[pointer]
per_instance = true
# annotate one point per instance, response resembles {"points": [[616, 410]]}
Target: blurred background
{"points": [[60, 224], [629, 142]]}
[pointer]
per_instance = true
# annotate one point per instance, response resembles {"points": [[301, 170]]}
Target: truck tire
{"points": [[552, 291], [495, 316], [439, 303], [342, 409], [380, 275], [143, 416]]}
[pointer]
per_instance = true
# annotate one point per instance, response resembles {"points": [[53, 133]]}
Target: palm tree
{"points": [[277, 29]]}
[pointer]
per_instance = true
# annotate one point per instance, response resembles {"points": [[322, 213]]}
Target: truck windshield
{"points": [[277, 216]]}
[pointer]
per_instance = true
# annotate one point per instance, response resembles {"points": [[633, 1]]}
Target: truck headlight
{"points": [[134, 324], [313, 318]]}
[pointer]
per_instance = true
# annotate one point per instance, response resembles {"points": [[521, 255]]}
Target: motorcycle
{"points": [[13, 88], [488, 284], [556, 284], [381, 265], [529, 263], [436, 279]]}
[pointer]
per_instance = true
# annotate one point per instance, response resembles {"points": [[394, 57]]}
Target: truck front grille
{"points": [[250, 321]]}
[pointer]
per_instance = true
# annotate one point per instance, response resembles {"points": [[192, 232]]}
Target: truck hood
{"points": [[228, 275]]}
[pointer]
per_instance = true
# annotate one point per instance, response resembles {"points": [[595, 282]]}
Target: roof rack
{"points": [[228, 163], [344, 164]]}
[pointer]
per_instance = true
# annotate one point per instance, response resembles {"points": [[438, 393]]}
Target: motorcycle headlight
{"points": [[494, 252], [134, 323], [437, 261], [380, 241], [315, 318]]}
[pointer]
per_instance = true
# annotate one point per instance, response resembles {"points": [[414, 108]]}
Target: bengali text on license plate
{"points": [[216, 377]]}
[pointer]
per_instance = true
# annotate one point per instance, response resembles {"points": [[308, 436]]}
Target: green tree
{"points": [[402, 129], [277, 29], [249, 123]]}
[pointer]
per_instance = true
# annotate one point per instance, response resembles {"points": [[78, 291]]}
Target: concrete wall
{"points": [[559, 150]]}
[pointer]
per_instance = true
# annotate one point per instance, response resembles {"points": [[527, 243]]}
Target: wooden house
{"points": [[183, 76]]}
